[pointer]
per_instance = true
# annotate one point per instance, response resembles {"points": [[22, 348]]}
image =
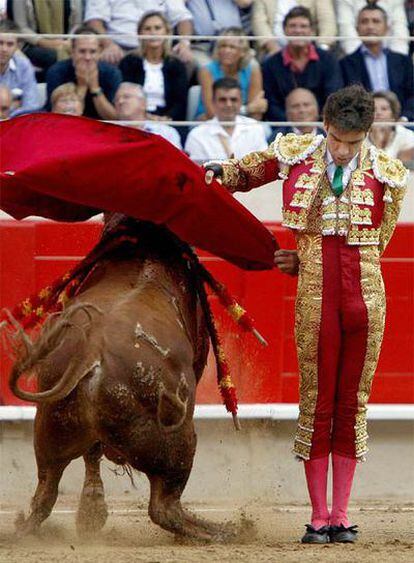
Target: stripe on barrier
{"points": [[267, 411]]}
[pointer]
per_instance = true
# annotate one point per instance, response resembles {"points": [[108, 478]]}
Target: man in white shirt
{"points": [[214, 140], [131, 105], [120, 17]]}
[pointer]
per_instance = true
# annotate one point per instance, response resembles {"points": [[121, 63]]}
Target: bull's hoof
{"points": [[205, 537], [197, 530], [24, 526], [91, 516]]}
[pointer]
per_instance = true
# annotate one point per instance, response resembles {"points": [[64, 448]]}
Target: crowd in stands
{"points": [[121, 64]]}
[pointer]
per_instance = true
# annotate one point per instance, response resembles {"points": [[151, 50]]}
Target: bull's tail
{"points": [[49, 340]]}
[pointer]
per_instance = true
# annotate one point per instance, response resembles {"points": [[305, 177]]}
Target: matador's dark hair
{"points": [[350, 109]]}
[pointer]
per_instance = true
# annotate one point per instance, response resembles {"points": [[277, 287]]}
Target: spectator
{"points": [[65, 99], [302, 105], [162, 76], [6, 101], [232, 58], [96, 81], [122, 17], [268, 17], [348, 10], [16, 71], [212, 140], [396, 141], [299, 64], [210, 18], [131, 105], [4, 10], [376, 67], [35, 18], [245, 10], [409, 8]]}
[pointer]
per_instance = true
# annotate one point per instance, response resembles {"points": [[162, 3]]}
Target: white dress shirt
{"points": [[122, 16], [164, 130], [347, 170], [210, 140], [403, 140], [153, 86]]}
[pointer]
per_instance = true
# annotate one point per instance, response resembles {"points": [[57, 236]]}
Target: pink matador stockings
{"points": [[316, 470]]}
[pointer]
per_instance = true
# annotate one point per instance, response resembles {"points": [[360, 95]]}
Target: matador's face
{"points": [[343, 145]]}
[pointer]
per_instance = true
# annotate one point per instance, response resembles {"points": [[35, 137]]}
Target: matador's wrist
{"points": [[213, 170]]}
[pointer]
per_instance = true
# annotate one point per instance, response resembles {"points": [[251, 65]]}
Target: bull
{"points": [[117, 373]]}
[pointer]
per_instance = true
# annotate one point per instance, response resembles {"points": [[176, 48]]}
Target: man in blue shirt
{"points": [[96, 81], [376, 67], [16, 71]]}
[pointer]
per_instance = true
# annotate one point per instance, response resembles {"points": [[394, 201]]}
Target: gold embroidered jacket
{"points": [[366, 212]]}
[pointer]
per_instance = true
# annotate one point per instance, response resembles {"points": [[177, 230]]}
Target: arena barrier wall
{"points": [[33, 253]]}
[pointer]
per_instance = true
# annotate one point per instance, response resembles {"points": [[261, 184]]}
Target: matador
{"points": [[342, 200]]}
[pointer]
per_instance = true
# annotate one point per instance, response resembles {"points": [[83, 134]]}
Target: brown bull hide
{"points": [[117, 374]]}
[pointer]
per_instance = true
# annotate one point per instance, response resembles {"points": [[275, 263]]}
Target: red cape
{"points": [[69, 168]]}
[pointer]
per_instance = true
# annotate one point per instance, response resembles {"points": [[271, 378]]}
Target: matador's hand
{"points": [[287, 261], [213, 170]]}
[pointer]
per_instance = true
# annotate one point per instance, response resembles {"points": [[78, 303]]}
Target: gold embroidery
{"points": [[391, 212], [360, 215], [363, 236], [362, 197], [342, 227], [45, 293], [307, 181], [343, 209], [231, 175], [307, 324], [373, 294], [239, 174], [318, 158], [319, 206], [301, 199], [329, 226], [294, 219], [388, 170], [358, 178], [27, 307], [292, 148]]}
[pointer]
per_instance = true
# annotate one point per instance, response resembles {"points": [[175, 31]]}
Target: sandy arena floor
{"points": [[129, 536]]}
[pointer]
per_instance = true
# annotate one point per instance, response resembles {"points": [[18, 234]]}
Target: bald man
{"points": [[302, 105], [131, 105]]}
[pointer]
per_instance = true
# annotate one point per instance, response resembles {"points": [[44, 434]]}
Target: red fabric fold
{"points": [[68, 168]]}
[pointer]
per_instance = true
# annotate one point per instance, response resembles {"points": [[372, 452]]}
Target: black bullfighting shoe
{"points": [[316, 536], [340, 534]]}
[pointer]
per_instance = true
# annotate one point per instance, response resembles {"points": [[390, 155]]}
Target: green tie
{"points": [[337, 186]]}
